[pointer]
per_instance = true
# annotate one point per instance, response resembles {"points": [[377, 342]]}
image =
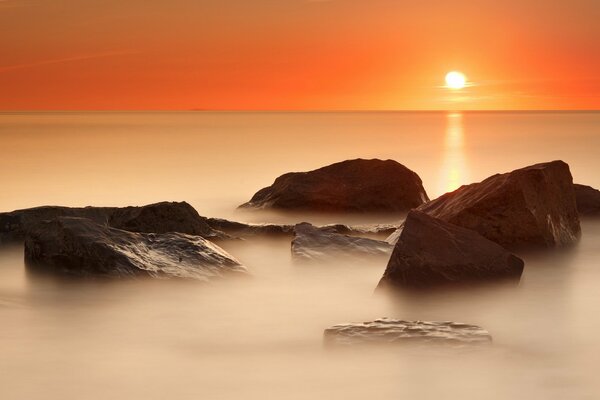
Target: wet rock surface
{"points": [[588, 200], [312, 244], [431, 253], [82, 247], [153, 218], [241, 229], [394, 331], [529, 207], [348, 186]]}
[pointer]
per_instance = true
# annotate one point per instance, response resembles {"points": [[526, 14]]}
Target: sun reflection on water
{"points": [[454, 172]]}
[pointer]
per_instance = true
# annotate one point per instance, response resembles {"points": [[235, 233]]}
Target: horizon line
{"points": [[208, 110]]}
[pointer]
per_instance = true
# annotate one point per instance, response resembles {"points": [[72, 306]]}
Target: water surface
{"points": [[262, 337]]}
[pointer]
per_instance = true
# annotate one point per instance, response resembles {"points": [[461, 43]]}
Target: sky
{"points": [[298, 54]]}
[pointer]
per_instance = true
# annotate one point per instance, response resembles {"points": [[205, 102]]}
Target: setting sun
{"points": [[455, 80]]}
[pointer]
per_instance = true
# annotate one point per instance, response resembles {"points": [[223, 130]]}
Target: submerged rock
{"points": [[532, 206], [82, 247], [153, 218], [241, 229], [393, 331], [588, 200], [431, 252], [348, 186], [311, 243]]}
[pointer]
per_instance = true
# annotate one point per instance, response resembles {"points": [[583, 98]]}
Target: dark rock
{"points": [[529, 207], [240, 229], [588, 200], [392, 331], [348, 186], [162, 218], [154, 218], [311, 243], [431, 252], [82, 247]]}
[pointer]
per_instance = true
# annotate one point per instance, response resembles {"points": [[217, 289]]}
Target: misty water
{"points": [[262, 337]]}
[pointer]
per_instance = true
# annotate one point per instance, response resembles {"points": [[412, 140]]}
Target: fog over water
{"points": [[261, 337]]}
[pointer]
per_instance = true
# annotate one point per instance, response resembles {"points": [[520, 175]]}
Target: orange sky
{"points": [[298, 54]]}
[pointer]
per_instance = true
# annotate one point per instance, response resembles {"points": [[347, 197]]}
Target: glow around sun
{"points": [[455, 80]]}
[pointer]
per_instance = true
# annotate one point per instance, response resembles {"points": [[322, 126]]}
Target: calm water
{"points": [[262, 338]]}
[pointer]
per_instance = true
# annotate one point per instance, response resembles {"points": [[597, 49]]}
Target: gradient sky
{"points": [[298, 54]]}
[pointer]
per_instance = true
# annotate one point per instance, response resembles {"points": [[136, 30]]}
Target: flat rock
{"points": [[394, 331], [588, 200], [529, 207], [348, 186], [241, 229], [82, 247], [154, 218], [431, 252], [316, 244]]}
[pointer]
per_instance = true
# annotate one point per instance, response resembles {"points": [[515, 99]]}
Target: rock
{"points": [[314, 244], [588, 200], [393, 331], [529, 207], [82, 247], [431, 252], [240, 229], [162, 218], [154, 218], [348, 186]]}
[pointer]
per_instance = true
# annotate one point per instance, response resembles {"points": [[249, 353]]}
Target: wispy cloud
{"points": [[79, 57]]}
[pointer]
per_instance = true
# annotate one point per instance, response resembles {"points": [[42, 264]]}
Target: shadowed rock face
{"points": [[316, 244], [529, 207], [154, 218], [162, 218], [588, 200], [391, 331], [348, 186], [81, 247], [431, 252]]}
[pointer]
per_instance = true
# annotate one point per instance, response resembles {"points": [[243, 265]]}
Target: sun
{"points": [[455, 80]]}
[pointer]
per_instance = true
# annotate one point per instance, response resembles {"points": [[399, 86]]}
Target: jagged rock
{"points": [[588, 200], [529, 207], [154, 218], [392, 331], [348, 186], [431, 252], [311, 243], [82, 247]]}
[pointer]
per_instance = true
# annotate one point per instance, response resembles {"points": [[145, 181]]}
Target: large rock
{"points": [[588, 200], [529, 207], [320, 244], [82, 247], [348, 186], [431, 252], [154, 218], [392, 331]]}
